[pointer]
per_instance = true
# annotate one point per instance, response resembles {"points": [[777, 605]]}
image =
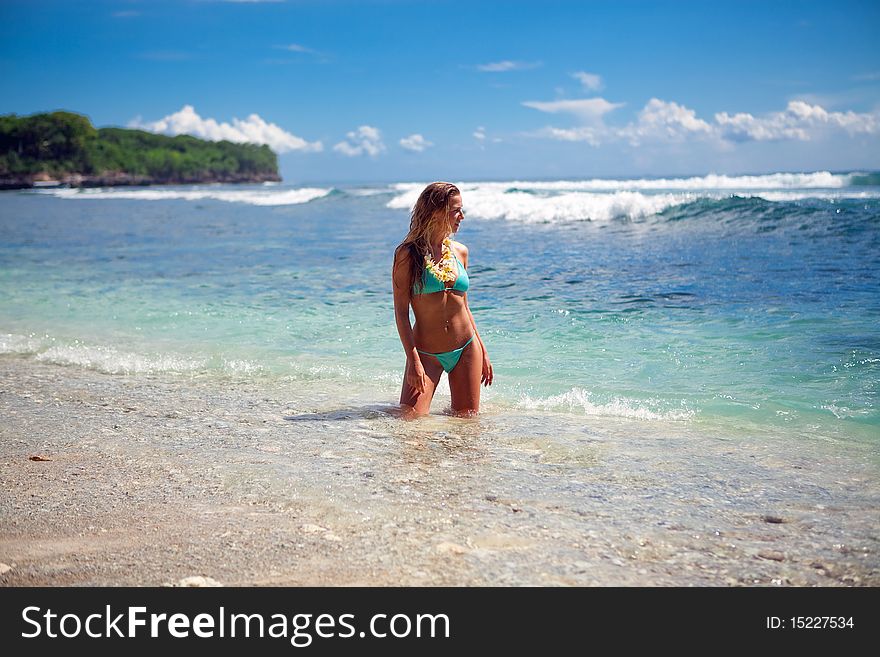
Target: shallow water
{"points": [[730, 304]]}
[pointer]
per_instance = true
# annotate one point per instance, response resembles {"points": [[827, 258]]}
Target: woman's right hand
{"points": [[415, 375]]}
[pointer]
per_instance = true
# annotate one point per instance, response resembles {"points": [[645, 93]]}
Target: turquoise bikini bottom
{"points": [[448, 359]]}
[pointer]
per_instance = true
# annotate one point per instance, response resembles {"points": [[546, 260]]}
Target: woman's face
{"points": [[455, 216]]}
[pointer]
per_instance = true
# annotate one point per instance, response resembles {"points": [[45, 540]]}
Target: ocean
{"points": [[738, 302], [686, 369]]}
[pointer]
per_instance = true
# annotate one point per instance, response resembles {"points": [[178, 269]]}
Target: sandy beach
{"points": [[128, 490]]}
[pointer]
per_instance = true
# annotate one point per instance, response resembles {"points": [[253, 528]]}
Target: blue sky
{"points": [[395, 90]]}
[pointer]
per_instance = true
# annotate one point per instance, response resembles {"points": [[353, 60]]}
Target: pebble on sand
{"points": [[775, 520], [196, 581]]}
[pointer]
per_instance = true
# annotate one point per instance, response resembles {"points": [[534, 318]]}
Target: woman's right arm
{"points": [[415, 371]]}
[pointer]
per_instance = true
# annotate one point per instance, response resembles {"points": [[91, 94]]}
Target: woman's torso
{"points": [[442, 320]]}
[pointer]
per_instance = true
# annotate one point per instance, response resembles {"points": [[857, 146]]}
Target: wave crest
{"points": [[263, 196], [604, 200], [579, 400]]}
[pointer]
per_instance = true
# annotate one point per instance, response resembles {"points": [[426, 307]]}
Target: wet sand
{"points": [[153, 479]]}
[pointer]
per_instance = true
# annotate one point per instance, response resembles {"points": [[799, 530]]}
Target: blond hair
{"points": [[426, 221]]}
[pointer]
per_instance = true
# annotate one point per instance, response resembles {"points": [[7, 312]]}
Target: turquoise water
{"points": [[746, 303]]}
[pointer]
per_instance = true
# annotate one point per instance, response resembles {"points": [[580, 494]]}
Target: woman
{"points": [[430, 274]]}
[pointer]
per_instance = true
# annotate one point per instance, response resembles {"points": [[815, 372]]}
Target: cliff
{"points": [[63, 148]]}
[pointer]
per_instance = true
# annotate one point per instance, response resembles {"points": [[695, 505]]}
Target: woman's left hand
{"points": [[487, 375]]}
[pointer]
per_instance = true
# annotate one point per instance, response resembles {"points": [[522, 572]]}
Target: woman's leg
{"points": [[464, 380], [412, 403]]}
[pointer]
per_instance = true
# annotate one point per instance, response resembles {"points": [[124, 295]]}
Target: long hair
{"points": [[428, 217]]}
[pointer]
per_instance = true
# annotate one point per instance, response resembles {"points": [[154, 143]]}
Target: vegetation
{"points": [[62, 145]]}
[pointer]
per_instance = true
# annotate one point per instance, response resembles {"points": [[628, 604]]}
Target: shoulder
{"points": [[462, 252], [402, 255], [460, 249]]}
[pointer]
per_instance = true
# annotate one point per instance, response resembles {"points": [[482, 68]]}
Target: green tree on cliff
{"points": [[63, 143]]}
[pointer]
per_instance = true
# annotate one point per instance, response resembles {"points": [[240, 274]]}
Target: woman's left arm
{"points": [[487, 374]]}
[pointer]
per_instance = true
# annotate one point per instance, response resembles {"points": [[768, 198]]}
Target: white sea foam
{"points": [[113, 361], [602, 200], [843, 412], [12, 343], [262, 196], [50, 349], [579, 400], [528, 208], [369, 191], [493, 202], [816, 180], [242, 366]]}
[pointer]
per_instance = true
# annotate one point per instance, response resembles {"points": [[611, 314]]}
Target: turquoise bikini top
{"points": [[434, 284]]}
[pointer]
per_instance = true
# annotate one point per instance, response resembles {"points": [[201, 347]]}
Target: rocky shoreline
{"points": [[123, 179]]}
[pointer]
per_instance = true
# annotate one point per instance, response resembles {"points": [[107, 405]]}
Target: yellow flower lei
{"points": [[444, 270]]}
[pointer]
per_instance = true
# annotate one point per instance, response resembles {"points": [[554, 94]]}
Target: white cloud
{"points": [[506, 65], [745, 127], [590, 110], [253, 130], [296, 47], [365, 140], [668, 121], [665, 121], [480, 134], [799, 121], [415, 143], [300, 51], [590, 81], [592, 135]]}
